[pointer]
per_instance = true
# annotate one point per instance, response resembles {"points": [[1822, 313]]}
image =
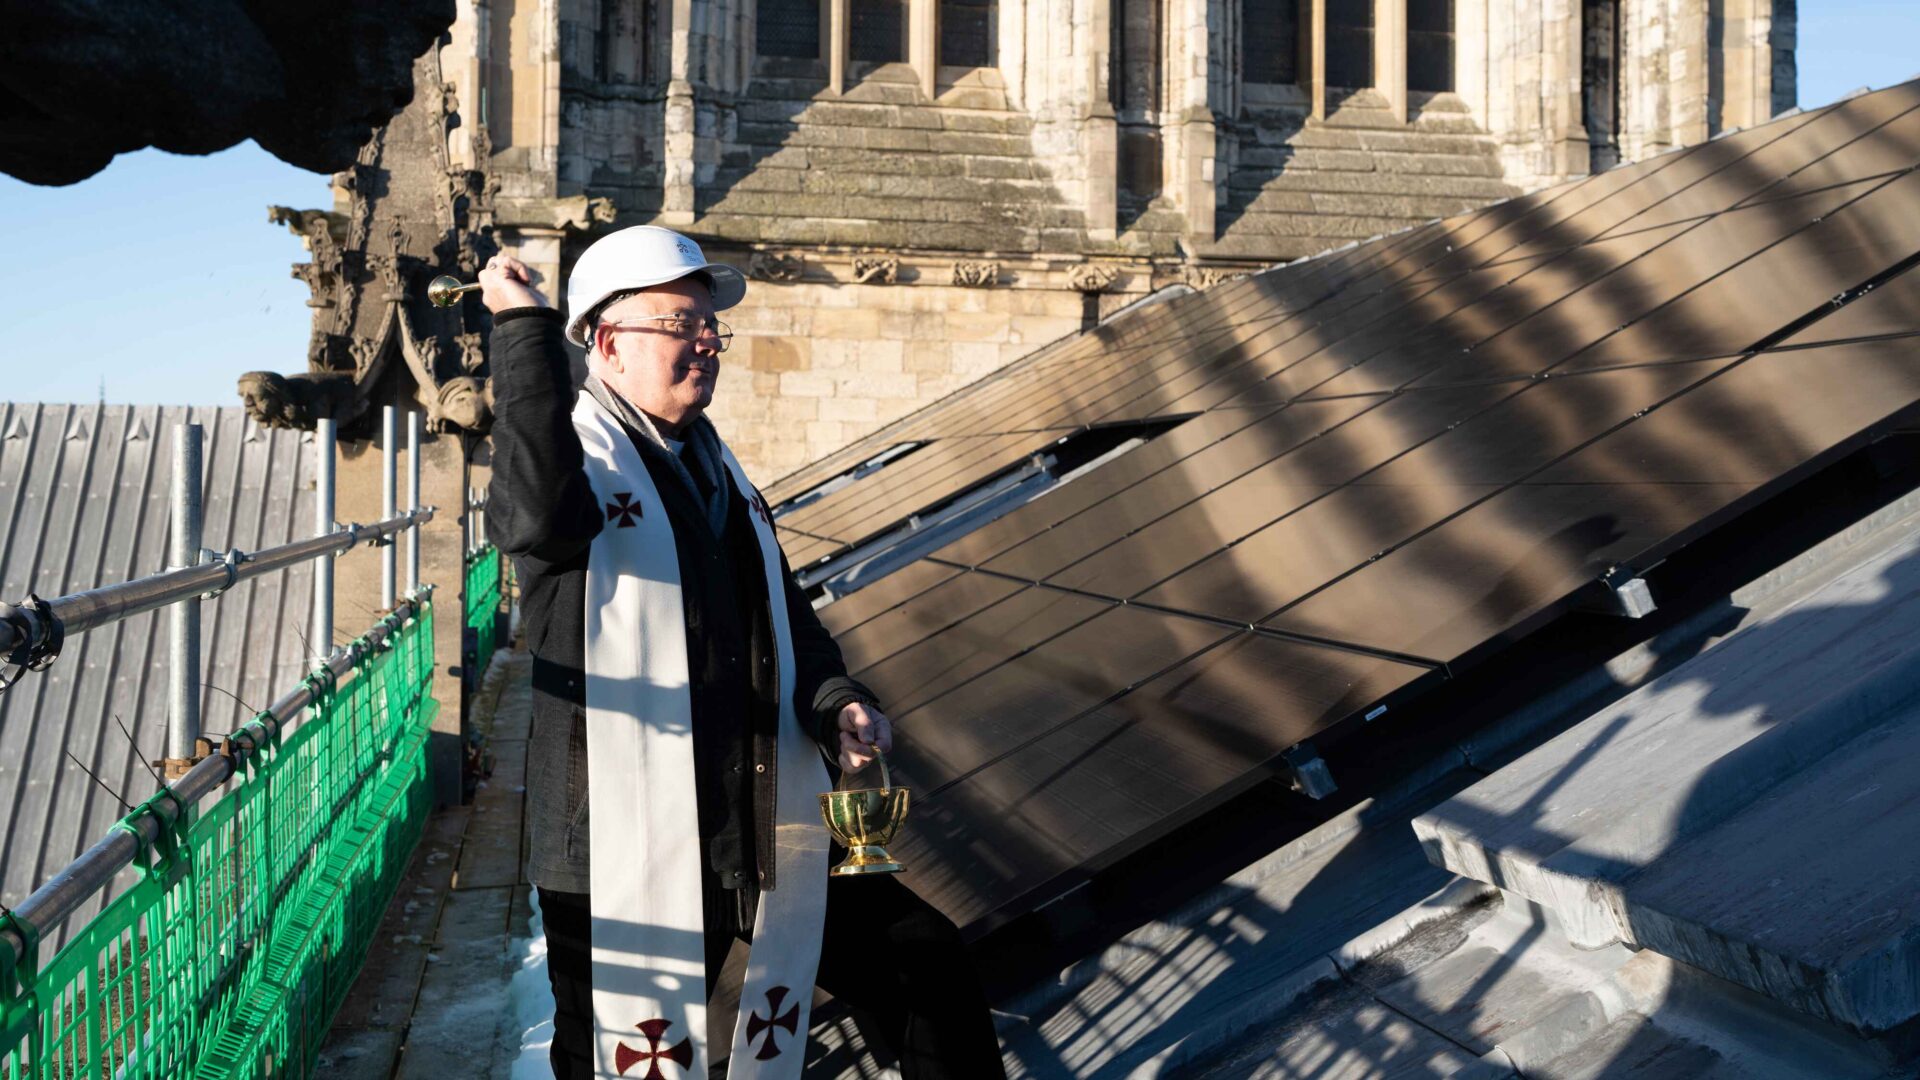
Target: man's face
{"points": [[656, 369]]}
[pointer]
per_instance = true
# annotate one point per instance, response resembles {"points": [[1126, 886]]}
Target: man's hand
{"points": [[862, 730], [506, 283]]}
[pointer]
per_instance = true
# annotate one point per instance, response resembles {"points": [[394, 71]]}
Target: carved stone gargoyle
{"points": [[295, 401], [407, 214], [466, 402]]}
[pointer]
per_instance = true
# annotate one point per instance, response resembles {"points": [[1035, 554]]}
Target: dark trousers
{"points": [[884, 951]]}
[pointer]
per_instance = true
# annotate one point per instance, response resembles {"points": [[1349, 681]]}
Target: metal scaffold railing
{"points": [[483, 604], [483, 592], [250, 915]]}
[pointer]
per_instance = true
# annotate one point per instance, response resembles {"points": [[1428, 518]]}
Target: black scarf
{"points": [[701, 441]]}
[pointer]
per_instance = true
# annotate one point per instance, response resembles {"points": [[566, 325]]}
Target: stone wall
{"points": [[616, 112], [816, 364], [1686, 70]]}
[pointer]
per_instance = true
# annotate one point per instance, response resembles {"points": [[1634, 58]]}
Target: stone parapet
{"points": [[1747, 813]]}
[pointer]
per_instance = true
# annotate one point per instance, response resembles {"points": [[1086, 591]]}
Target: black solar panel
{"points": [[1892, 308], [803, 549], [1386, 462], [1842, 236], [934, 665], [849, 612], [926, 478], [1209, 520], [941, 597], [1127, 770]]}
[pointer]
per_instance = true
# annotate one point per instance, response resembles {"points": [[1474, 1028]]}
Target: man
{"points": [[685, 701]]}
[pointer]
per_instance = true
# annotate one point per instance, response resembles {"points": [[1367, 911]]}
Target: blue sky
{"points": [[161, 278]]}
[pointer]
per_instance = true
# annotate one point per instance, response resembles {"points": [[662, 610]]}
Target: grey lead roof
{"points": [[84, 502]]}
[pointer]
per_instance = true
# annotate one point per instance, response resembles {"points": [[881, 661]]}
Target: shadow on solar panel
{"points": [[1350, 480]]}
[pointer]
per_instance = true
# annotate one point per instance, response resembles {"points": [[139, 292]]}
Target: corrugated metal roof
{"points": [[84, 502]]}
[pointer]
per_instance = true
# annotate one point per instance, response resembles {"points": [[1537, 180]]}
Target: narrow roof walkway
{"points": [[432, 1000]]}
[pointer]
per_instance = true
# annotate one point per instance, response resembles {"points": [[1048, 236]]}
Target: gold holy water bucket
{"points": [[866, 821]]}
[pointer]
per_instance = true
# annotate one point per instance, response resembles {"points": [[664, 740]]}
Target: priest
{"points": [[688, 705]]}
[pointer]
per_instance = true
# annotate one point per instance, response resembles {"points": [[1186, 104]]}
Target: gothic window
{"points": [[1600, 81], [1269, 41], [1350, 43], [1430, 45], [967, 32], [1137, 89], [622, 41], [1134, 58], [788, 28], [878, 34], [603, 42]]}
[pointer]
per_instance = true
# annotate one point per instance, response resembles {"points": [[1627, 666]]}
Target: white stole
{"points": [[649, 966]]}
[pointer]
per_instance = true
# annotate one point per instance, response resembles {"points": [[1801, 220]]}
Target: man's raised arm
{"points": [[540, 504]]}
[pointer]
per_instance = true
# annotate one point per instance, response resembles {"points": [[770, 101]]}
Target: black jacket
{"points": [[542, 511]]}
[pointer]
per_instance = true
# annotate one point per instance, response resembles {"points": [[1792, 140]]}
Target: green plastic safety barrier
{"points": [[482, 605], [249, 921]]}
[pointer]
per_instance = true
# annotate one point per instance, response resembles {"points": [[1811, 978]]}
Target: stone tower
{"points": [[924, 190]]}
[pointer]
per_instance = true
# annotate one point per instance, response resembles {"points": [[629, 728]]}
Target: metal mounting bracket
{"points": [[1306, 771], [229, 561], [175, 768], [36, 636], [1619, 592]]}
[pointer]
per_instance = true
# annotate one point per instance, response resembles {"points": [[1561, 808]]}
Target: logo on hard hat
{"points": [[686, 248]]}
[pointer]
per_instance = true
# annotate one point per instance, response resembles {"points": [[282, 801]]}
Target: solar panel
{"points": [[925, 669], [1718, 175], [1442, 325], [848, 612], [1044, 686], [925, 479], [1200, 434], [1623, 499], [1864, 137], [1842, 247], [1757, 419], [1126, 514], [1765, 157], [1487, 572], [1750, 246], [1124, 772], [1385, 464], [936, 604], [802, 549], [1243, 504], [1302, 550], [1892, 308], [1470, 309]]}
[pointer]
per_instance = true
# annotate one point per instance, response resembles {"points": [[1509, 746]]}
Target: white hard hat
{"points": [[635, 258]]}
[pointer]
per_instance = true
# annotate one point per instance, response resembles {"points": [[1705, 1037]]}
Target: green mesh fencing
{"points": [[250, 919], [482, 608]]}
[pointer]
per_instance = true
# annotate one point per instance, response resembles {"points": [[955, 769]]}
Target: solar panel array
{"points": [[1396, 458]]}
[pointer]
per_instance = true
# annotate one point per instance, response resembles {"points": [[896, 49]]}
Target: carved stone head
{"points": [[267, 398], [467, 403]]}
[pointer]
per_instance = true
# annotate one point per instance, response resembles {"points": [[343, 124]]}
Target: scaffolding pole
{"points": [[389, 501], [413, 498], [324, 438], [183, 654]]}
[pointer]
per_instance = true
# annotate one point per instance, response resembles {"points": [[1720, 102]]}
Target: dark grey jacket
{"points": [[542, 512]]}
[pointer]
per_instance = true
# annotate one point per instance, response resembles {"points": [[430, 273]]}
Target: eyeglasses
{"points": [[684, 327]]}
